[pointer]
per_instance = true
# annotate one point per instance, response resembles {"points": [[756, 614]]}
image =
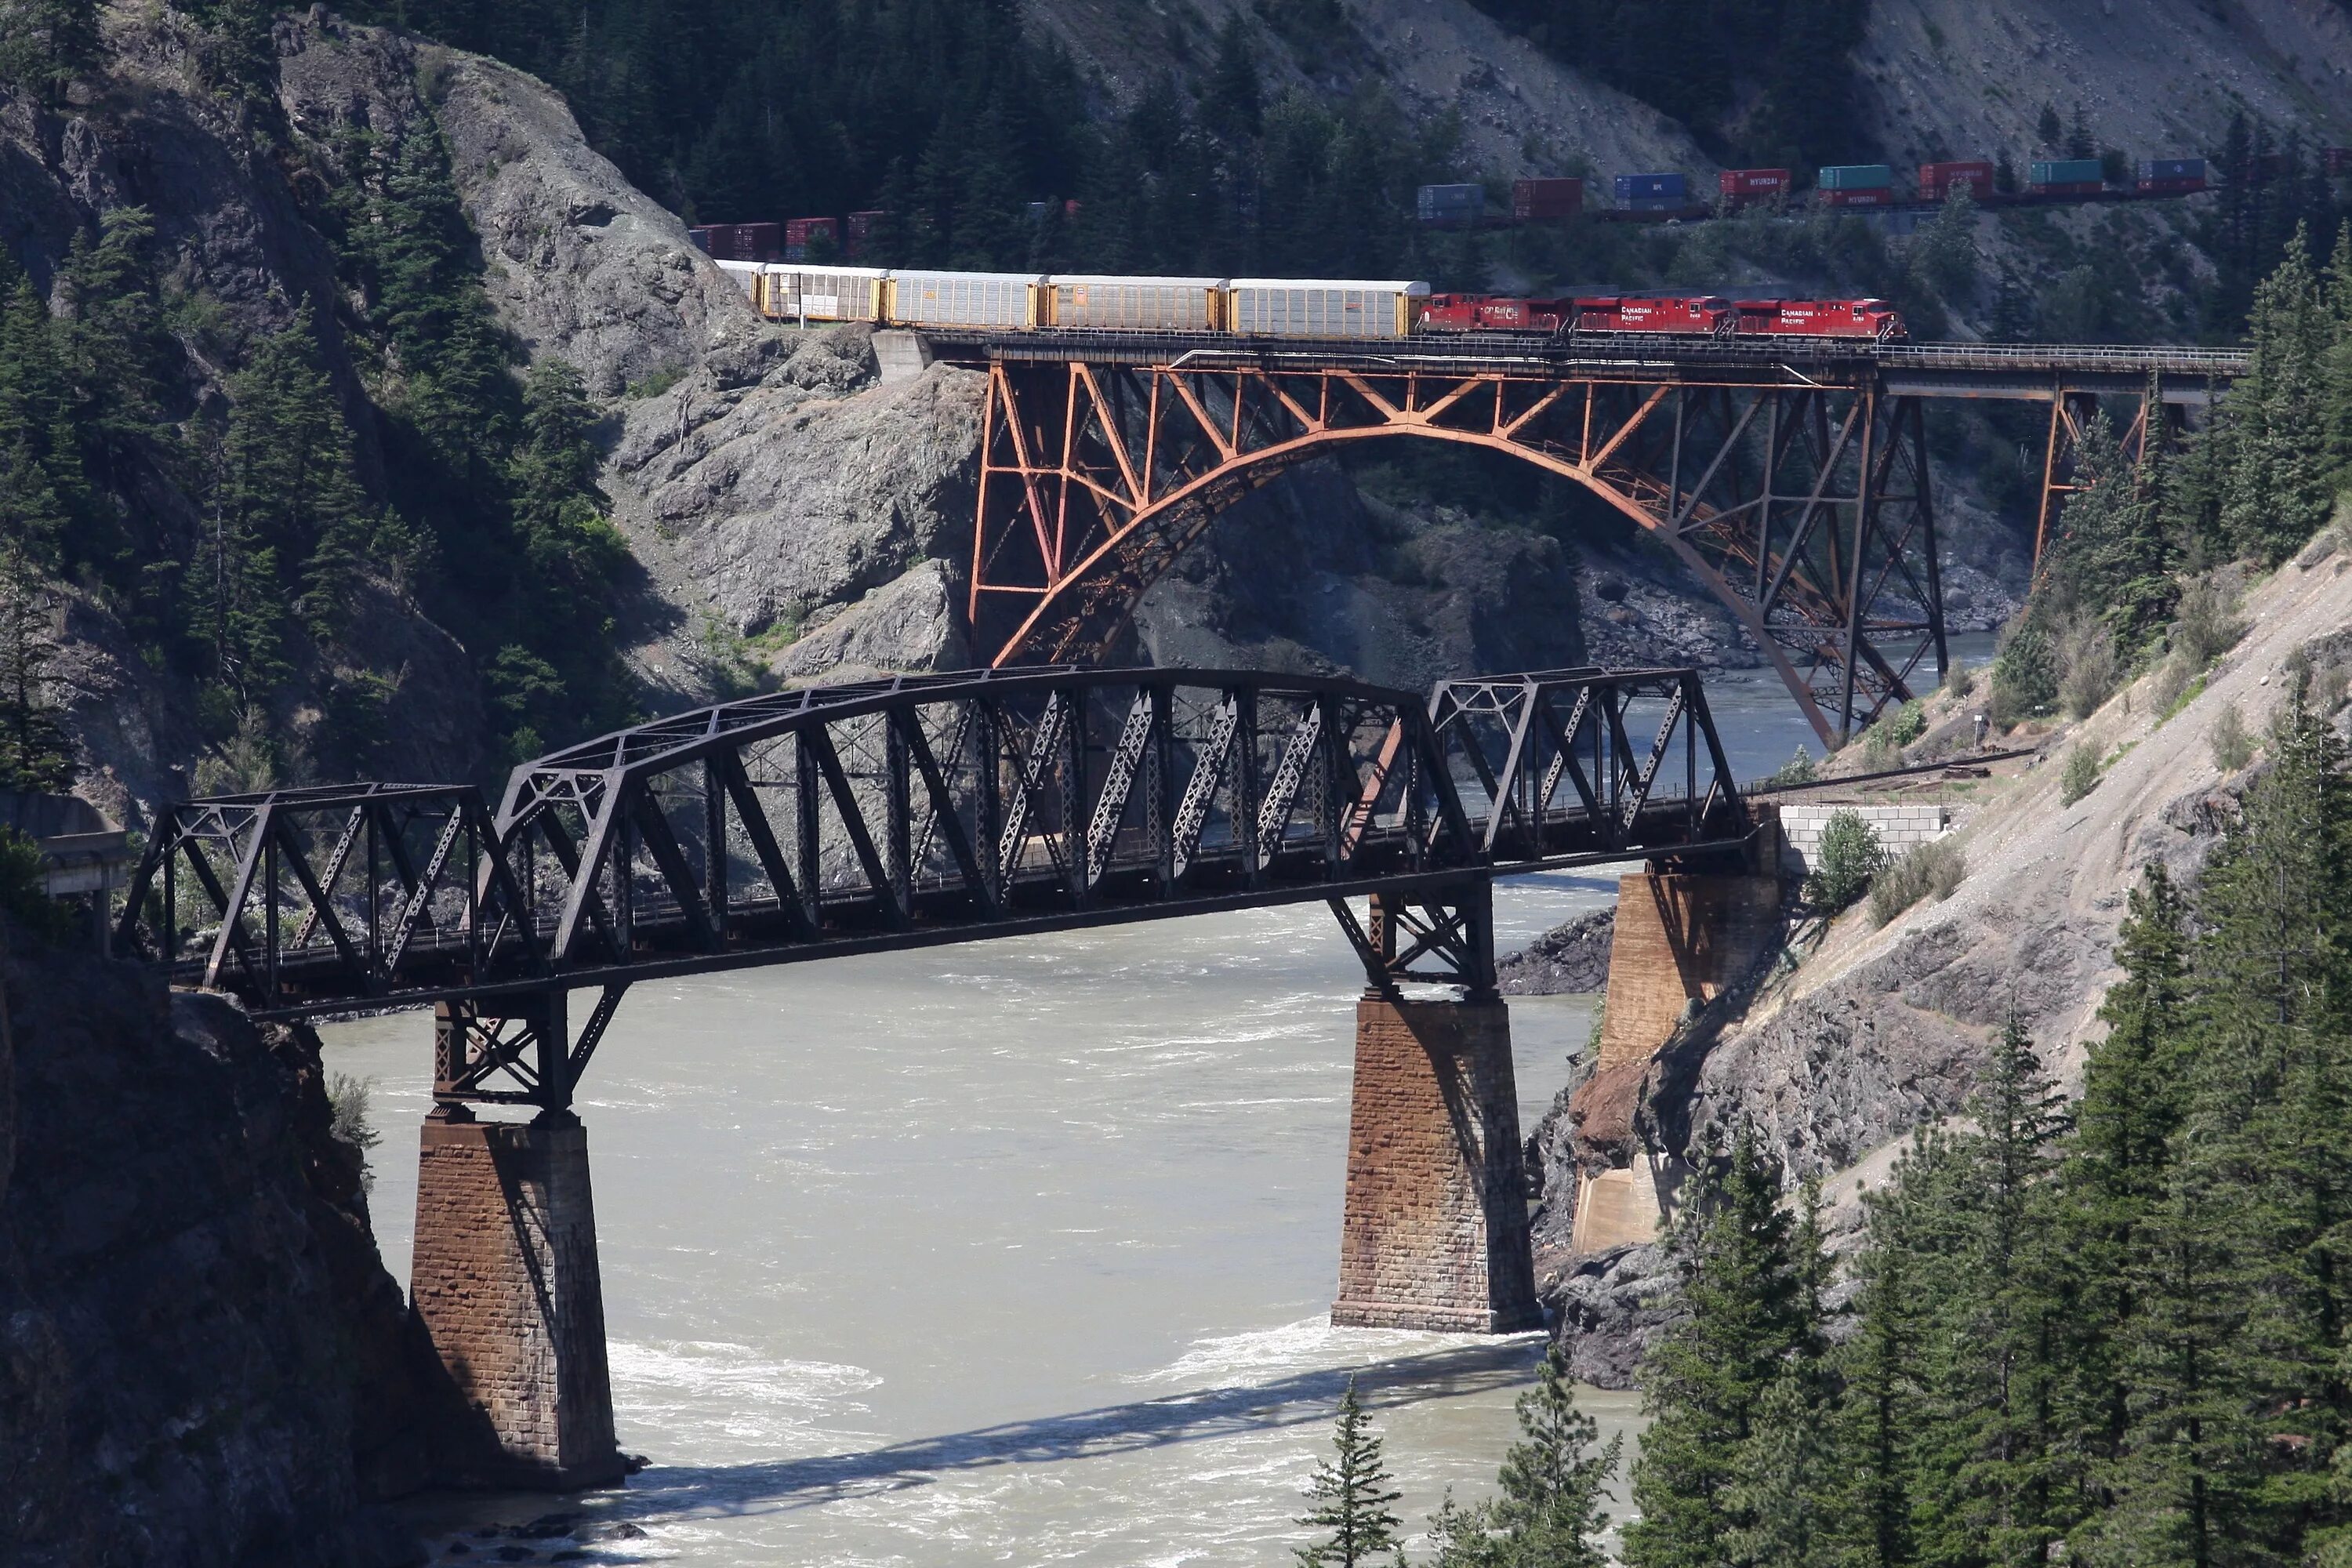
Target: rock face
{"points": [[1565, 961], [1880, 1031], [201, 1360]]}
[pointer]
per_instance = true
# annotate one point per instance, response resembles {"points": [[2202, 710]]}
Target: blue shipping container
{"points": [[1631, 187], [1657, 203], [2172, 169], [2066, 172], [1857, 177], [1440, 203]]}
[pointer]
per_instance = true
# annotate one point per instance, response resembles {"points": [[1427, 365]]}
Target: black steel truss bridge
{"points": [[1791, 478], [923, 810]]}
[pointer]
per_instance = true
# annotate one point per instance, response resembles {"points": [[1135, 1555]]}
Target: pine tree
{"points": [[1741, 1285], [36, 754], [2281, 482], [47, 43], [1233, 99], [1553, 1482], [40, 460], [1351, 1495], [1788, 1471], [292, 489], [2111, 554]]}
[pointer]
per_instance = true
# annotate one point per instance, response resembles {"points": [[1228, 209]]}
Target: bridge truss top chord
{"points": [[912, 811]]}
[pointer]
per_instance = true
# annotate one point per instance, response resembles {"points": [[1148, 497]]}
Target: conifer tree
{"points": [[1739, 1282], [47, 43], [1787, 1471], [292, 489], [40, 460], [1351, 1495], [1554, 1480], [36, 752]]}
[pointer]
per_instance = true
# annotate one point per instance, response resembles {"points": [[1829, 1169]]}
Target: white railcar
{"points": [[747, 277], [1139, 304], [1002, 300], [1323, 307], [797, 292]]}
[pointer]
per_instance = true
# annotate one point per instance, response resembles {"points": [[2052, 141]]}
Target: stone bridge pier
{"points": [[1434, 1232], [504, 1278]]}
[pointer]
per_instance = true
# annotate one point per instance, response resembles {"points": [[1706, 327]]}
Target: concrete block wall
{"points": [[1435, 1230], [1899, 828], [505, 1280]]}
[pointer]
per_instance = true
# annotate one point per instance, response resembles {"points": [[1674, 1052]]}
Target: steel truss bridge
{"points": [[915, 811], [1792, 480]]}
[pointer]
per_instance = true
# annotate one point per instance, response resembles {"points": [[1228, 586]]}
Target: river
{"points": [[1010, 1252]]}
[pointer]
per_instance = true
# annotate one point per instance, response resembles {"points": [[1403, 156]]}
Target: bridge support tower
{"points": [[1435, 1234], [505, 1278]]}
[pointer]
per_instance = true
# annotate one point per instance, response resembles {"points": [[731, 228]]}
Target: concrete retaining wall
{"points": [[1899, 828]]}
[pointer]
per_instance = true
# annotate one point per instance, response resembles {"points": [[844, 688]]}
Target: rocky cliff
{"points": [[202, 1360], [1878, 1031]]}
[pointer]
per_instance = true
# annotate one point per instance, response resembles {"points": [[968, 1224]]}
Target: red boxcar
{"points": [[1533, 201], [1694, 313], [1938, 181], [744, 241], [1747, 187], [1877, 196], [1820, 319]]}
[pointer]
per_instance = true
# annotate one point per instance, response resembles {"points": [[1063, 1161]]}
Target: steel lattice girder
{"points": [[1806, 509], [932, 809]]}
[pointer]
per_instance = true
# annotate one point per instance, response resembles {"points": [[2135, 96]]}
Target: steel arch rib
{"points": [[1059, 597]]}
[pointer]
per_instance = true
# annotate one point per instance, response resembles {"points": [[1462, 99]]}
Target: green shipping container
{"points": [[2066, 172], [1857, 177]]}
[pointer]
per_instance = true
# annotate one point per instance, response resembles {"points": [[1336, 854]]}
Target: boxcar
{"points": [[1139, 304], [797, 292], [1007, 299], [1315, 307]]}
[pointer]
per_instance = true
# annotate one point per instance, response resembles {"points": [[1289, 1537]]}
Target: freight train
{"points": [[1271, 307]]}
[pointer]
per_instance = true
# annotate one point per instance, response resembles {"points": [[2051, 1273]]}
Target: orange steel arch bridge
{"points": [[1791, 478]]}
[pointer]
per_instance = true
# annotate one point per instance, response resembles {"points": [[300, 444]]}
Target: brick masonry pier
{"points": [[1435, 1233], [505, 1282]]}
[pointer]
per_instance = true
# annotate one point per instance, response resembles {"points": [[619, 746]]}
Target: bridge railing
{"points": [[918, 810]]}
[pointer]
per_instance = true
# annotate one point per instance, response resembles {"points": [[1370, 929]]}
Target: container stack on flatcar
{"points": [[1451, 206], [739, 241], [1857, 185], [2065, 177], [1939, 180], [812, 238], [1741, 188], [1652, 193], [2170, 176], [863, 227], [1541, 201]]}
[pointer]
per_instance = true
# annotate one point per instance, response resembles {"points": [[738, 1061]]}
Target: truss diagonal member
{"points": [[1367, 803], [1177, 379], [489, 1051], [1435, 930], [232, 932], [1800, 533], [1113, 436], [818, 739], [1633, 421], [942, 800], [591, 1032], [685, 888], [1029, 767], [1118, 784], [1376, 969], [1682, 514], [1648, 777], [422, 898], [1200, 790], [333, 873], [1564, 763], [1289, 774], [291, 853], [764, 848], [943, 817], [1535, 411], [580, 897], [1001, 387], [1515, 762]]}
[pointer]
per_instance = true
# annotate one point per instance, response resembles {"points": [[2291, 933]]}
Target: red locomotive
{"points": [[1705, 315]]}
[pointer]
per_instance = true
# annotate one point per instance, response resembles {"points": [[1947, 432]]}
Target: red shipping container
{"points": [[1740, 186], [801, 233], [1879, 197], [2070, 188], [1536, 200], [1936, 180], [745, 241], [2168, 187]]}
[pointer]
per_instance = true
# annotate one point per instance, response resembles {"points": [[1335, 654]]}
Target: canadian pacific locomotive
{"points": [[1271, 307]]}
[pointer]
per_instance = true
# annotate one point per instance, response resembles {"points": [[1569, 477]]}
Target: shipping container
{"points": [[1747, 187], [1138, 304], [745, 241], [2045, 171], [1657, 205], [1874, 196], [701, 238], [1939, 180], [746, 276], [804, 236], [2336, 160], [1533, 201], [1856, 177], [1450, 204], [801, 292], [2172, 168], [1635, 187], [1297, 308], [963, 298], [2185, 187], [2073, 188], [864, 228]]}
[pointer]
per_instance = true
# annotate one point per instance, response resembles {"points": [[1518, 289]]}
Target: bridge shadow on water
{"points": [[1303, 1398]]}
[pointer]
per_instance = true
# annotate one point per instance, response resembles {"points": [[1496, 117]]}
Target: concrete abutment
{"points": [[1435, 1229], [506, 1284]]}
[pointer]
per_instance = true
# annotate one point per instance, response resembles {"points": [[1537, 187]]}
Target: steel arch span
{"points": [[1803, 502]]}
